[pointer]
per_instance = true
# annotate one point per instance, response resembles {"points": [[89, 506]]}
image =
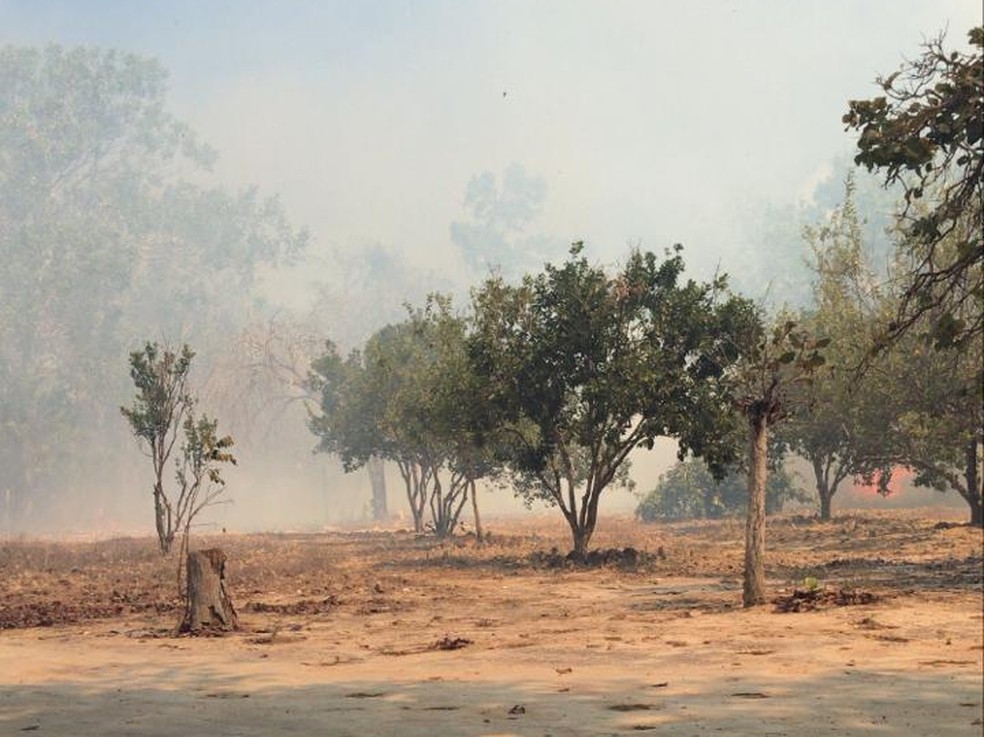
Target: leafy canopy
{"points": [[925, 133], [583, 367], [689, 491]]}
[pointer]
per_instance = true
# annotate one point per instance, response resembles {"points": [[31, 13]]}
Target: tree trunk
{"points": [[440, 510], [416, 495], [377, 477], [753, 592], [975, 487], [581, 538], [825, 499], [581, 532], [208, 607], [478, 520], [164, 536], [823, 489], [976, 512]]}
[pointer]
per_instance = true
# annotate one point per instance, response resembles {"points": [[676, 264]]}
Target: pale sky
{"points": [[650, 122]]}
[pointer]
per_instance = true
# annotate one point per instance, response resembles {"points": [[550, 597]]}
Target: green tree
{"points": [[584, 367], [857, 422], [351, 405], [104, 238], [776, 362], [461, 419], [925, 133], [409, 397], [162, 414], [939, 435], [689, 491], [935, 427], [836, 411], [438, 411]]}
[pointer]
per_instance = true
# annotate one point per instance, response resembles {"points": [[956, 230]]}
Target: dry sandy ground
{"points": [[387, 634]]}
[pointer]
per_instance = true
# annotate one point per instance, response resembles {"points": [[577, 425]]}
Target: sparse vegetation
{"points": [[394, 574], [162, 417]]}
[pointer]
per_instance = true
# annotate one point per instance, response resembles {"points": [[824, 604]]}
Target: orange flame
{"points": [[892, 482]]}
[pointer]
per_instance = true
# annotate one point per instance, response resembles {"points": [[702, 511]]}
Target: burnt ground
{"points": [[45, 583]]}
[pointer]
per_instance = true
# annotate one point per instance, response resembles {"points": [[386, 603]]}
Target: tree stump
{"points": [[208, 607]]}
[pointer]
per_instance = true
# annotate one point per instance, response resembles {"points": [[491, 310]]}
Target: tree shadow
{"points": [[948, 574], [199, 700]]}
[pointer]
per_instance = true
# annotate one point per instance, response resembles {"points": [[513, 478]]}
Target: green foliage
{"points": [[854, 420], [836, 418], [857, 422], [925, 133], [201, 451], [410, 397], [689, 491], [584, 367], [162, 401], [776, 363], [346, 422], [162, 407], [936, 426]]}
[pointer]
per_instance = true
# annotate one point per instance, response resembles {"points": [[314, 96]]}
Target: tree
{"points": [[351, 406], [362, 404], [583, 368], [939, 434], [409, 398], [104, 238], [689, 491], [461, 420], [935, 427], [162, 411], [859, 423], [377, 480], [775, 362], [431, 411], [925, 133], [495, 237], [833, 435]]}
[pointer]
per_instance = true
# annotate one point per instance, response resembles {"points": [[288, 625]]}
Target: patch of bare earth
{"points": [[875, 627]]}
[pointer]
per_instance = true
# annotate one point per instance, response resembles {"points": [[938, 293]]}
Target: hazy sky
{"points": [[651, 122]]}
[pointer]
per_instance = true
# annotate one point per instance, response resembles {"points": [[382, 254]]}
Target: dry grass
{"points": [[47, 582]]}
